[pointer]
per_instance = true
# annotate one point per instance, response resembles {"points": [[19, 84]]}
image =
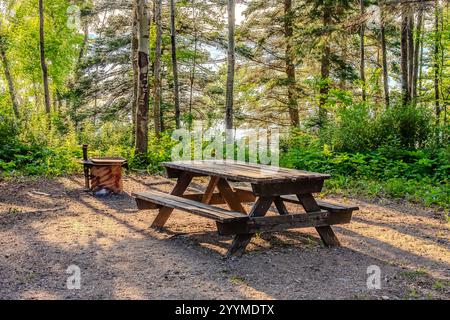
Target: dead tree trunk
{"points": [[141, 146], [176, 92], [42, 57], [290, 66], [231, 63]]}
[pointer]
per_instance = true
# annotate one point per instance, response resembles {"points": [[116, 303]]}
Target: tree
{"points": [[362, 65], [230, 65], [404, 56], [290, 66], [135, 64], [384, 57], [325, 66], [157, 70], [173, 40], [141, 146], [42, 57], [8, 76]]}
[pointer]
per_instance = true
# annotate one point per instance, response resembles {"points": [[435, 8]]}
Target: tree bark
{"points": [[384, 61], [9, 79], [42, 57], [176, 94], [417, 49], [411, 46], [141, 146], [436, 62], [135, 64], [231, 63], [157, 71], [194, 60], [290, 66], [404, 56], [325, 69], [362, 65]]}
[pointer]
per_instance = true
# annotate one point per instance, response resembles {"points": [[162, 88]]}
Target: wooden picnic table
{"points": [[269, 186]]}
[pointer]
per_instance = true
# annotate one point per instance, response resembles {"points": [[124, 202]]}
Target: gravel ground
{"points": [[48, 225]]}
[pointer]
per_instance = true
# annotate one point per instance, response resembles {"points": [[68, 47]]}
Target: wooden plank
{"points": [[164, 213], [201, 209], [216, 197], [279, 223], [289, 187], [332, 207], [240, 241], [241, 171], [326, 233]]}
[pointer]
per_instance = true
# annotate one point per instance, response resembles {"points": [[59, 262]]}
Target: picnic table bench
{"points": [[268, 185]]}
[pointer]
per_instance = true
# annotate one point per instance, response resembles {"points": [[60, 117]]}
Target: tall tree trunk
{"points": [[141, 146], [417, 49], [231, 62], [362, 64], [135, 64], [410, 35], [290, 66], [42, 56], [325, 68], [194, 60], [384, 61], [436, 66], [157, 71], [404, 56], [173, 39], [11, 87]]}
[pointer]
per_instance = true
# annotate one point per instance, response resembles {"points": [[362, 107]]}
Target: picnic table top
{"points": [[244, 171]]}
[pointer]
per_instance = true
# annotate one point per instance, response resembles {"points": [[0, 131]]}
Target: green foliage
{"points": [[417, 175]]}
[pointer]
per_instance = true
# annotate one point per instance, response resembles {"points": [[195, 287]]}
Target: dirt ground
{"points": [[48, 225]]}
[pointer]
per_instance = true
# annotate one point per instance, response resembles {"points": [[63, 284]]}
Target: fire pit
{"points": [[103, 175]]}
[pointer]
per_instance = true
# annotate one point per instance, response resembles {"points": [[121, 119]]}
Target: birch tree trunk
{"points": [[157, 71], [173, 39], [290, 66], [143, 20], [135, 64], [42, 57], [231, 62]]}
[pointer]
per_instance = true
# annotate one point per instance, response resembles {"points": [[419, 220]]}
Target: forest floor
{"points": [[47, 225]]}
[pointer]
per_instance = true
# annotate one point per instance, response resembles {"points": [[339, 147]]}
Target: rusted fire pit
{"points": [[103, 175]]}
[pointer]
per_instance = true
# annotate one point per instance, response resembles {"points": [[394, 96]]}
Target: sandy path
{"points": [[121, 258]]}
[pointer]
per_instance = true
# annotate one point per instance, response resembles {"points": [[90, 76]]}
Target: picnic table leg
{"points": [[164, 212], [241, 241], [326, 233], [228, 195], [210, 190]]}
